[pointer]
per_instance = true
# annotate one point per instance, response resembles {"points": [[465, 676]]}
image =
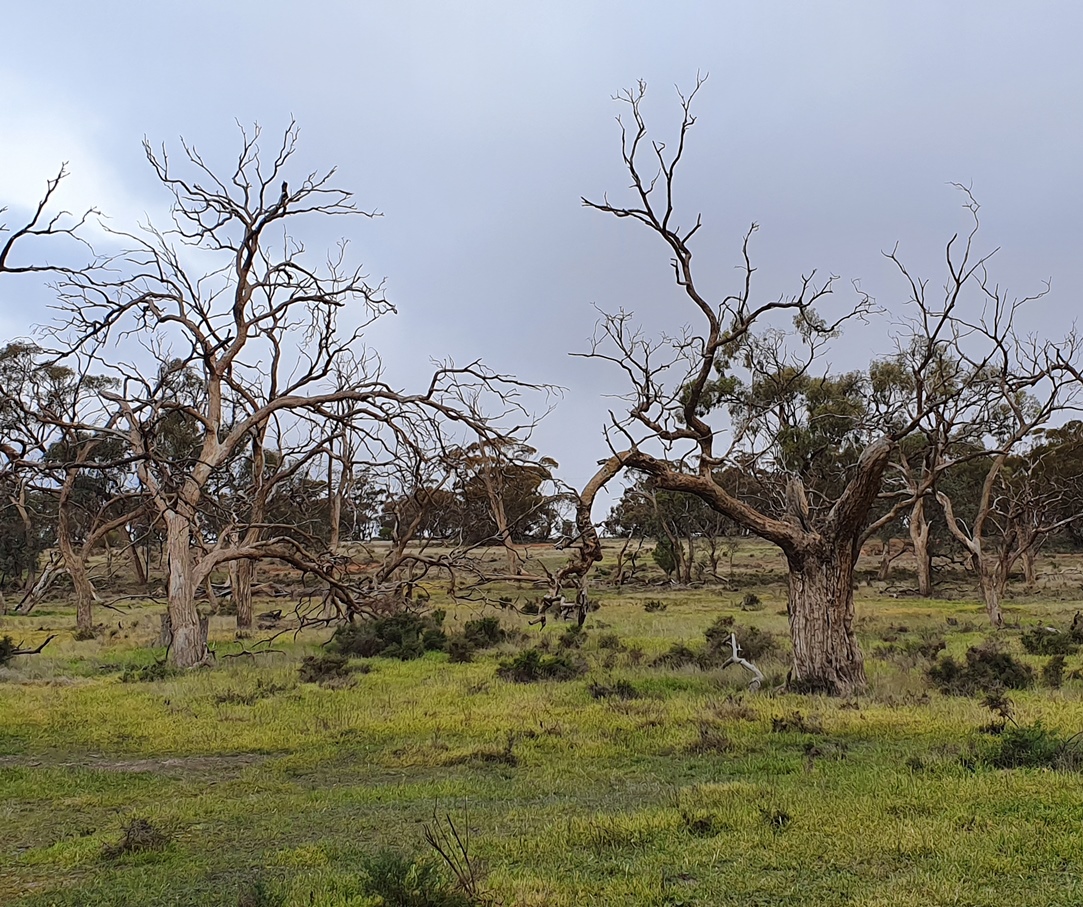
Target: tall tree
{"points": [[786, 410], [230, 294]]}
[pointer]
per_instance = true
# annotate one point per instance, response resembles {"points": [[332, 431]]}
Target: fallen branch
{"points": [[736, 659]]}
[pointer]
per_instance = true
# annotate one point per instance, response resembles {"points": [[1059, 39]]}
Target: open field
{"points": [[634, 783]]}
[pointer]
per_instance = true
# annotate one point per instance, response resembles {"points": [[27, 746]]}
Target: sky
{"points": [[474, 128]]}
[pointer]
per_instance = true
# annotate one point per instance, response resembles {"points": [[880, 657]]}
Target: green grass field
{"points": [[690, 791]]}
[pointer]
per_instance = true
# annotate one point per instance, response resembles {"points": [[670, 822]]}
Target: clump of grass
{"points": [[139, 835], [701, 824], [573, 637], [796, 723], [397, 880], [985, 667], [710, 740], [610, 641], [532, 666], [7, 650], [404, 636], [751, 602], [677, 656], [148, 673], [778, 819], [1027, 746], [250, 697], [622, 689], [489, 755], [654, 606], [1048, 641], [329, 669]]}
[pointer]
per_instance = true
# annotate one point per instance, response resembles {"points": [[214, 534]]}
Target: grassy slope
{"points": [[682, 796]]}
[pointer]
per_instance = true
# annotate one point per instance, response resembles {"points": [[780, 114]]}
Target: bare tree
{"points": [[230, 295], [824, 453]]}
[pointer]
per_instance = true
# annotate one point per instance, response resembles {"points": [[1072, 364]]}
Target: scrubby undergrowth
{"points": [[638, 771]]}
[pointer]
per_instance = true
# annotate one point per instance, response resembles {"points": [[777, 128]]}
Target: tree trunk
{"points": [[241, 575], [826, 656], [992, 580], [1030, 568], [75, 564], [885, 561], [919, 537], [188, 650], [138, 570]]}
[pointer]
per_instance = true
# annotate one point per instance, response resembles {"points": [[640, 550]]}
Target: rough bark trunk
{"points": [[992, 580], [241, 575], [138, 570], [188, 650], [826, 656], [1030, 568], [885, 562], [919, 537], [75, 564]]}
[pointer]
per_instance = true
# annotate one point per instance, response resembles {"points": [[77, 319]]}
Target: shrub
{"points": [[678, 655], [1053, 672], [156, 670], [610, 641], [460, 649], [573, 637], [753, 642], [654, 605], [622, 689], [484, 632], [1027, 746], [404, 636], [986, 667], [531, 666], [1047, 641], [7, 649], [327, 669]]}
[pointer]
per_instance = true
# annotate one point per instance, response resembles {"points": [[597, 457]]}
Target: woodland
{"points": [[264, 615]]}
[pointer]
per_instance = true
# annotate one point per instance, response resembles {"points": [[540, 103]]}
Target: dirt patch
{"points": [[164, 765]]}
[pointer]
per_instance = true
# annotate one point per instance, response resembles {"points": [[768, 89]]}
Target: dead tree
{"points": [[230, 296]]}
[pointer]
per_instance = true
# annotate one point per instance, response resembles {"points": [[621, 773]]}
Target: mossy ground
{"points": [[684, 795]]}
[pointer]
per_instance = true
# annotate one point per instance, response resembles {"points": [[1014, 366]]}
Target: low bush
{"points": [[622, 689], [404, 636], [484, 633], [654, 606], [148, 673], [1026, 746], [753, 642], [1053, 672], [1048, 641], [751, 602], [328, 669], [531, 666], [986, 667], [7, 649], [677, 656]]}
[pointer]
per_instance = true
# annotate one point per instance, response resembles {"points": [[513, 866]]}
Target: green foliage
{"points": [[1026, 746], [664, 556], [484, 632], [1053, 672], [404, 636], [1048, 641], [327, 669], [148, 673], [986, 667], [531, 666], [754, 643], [399, 881]]}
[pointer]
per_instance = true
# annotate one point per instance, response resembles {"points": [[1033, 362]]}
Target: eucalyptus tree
{"points": [[230, 294], [775, 405]]}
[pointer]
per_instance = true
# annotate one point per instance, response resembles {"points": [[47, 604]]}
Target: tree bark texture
{"points": [[189, 650], [826, 655]]}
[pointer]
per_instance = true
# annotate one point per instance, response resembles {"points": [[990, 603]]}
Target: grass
{"points": [[685, 794]]}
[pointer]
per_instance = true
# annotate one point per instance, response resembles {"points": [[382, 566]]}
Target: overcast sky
{"points": [[475, 127]]}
